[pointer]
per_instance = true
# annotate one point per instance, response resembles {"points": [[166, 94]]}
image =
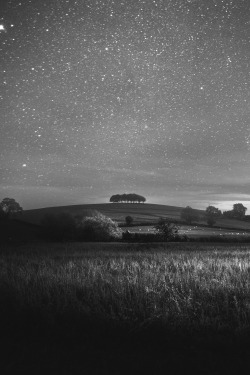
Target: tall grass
{"points": [[181, 287]]}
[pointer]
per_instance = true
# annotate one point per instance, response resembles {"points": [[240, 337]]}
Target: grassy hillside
{"points": [[148, 213], [117, 211]]}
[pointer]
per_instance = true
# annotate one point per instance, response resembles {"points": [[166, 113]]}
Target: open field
{"points": [[194, 231], [121, 308]]}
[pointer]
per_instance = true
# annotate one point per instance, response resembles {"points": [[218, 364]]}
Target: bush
{"points": [[166, 230], [129, 220], [98, 228]]}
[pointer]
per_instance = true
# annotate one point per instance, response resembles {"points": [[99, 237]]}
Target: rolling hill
{"points": [[146, 213], [117, 211]]}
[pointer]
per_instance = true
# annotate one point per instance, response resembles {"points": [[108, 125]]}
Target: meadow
{"points": [[115, 307]]}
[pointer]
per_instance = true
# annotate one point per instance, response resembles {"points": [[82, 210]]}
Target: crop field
{"points": [[114, 308]]}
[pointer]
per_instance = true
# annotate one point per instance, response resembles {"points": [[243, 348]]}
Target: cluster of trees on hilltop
{"points": [[127, 198]]}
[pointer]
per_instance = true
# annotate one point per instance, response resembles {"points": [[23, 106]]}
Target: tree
{"points": [[166, 229], [9, 207], [99, 228], [211, 214], [211, 210], [129, 220], [3, 215], [127, 198], [239, 210], [189, 215], [115, 198], [228, 214]]}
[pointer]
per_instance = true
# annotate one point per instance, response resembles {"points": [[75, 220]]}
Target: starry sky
{"points": [[103, 97]]}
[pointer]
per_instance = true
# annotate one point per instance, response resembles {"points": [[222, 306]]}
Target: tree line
{"points": [[127, 198], [212, 213]]}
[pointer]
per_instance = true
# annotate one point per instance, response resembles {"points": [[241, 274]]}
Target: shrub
{"points": [[98, 228], [129, 220], [166, 230]]}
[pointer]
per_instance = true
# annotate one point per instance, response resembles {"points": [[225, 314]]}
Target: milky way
{"points": [[101, 97]]}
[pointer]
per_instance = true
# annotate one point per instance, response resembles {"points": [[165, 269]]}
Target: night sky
{"points": [[103, 97]]}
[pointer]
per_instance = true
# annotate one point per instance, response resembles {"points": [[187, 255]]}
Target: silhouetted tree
{"points": [[239, 210], [9, 207], [228, 214], [189, 215], [3, 215], [166, 230], [211, 214], [127, 198], [129, 220], [211, 210], [115, 198]]}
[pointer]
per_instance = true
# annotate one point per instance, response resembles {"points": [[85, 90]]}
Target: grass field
{"points": [[119, 308]]}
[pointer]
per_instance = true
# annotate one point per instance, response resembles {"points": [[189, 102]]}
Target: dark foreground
{"points": [[69, 309], [106, 350]]}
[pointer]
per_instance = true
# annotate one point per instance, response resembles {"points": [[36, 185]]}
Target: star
{"points": [[125, 96]]}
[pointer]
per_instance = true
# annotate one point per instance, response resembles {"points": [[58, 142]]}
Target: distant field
{"points": [[193, 231], [147, 213], [109, 308]]}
